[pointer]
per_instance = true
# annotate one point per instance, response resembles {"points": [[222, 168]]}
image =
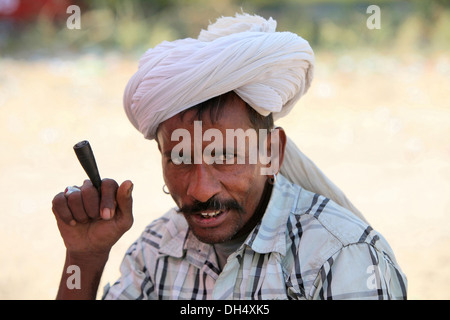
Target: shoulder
{"points": [[329, 239], [310, 214], [318, 216]]}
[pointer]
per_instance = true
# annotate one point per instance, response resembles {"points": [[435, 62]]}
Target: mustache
{"points": [[213, 204]]}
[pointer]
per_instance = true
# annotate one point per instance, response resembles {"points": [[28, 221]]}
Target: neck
{"points": [[259, 212]]}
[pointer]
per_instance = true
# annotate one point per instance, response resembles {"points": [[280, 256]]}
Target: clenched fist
{"points": [[89, 222]]}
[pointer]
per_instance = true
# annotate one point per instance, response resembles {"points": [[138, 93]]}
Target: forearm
{"points": [[81, 281]]}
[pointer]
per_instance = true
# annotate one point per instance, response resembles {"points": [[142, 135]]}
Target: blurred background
{"points": [[376, 120]]}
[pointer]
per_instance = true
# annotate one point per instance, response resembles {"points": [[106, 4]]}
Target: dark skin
{"points": [[189, 183], [89, 231], [90, 225]]}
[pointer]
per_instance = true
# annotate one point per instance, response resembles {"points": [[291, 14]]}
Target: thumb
{"points": [[124, 216]]}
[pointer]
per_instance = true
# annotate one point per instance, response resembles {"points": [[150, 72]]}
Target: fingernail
{"points": [[130, 189], [72, 223], [106, 214]]}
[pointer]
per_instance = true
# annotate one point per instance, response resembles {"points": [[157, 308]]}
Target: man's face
{"points": [[217, 200]]}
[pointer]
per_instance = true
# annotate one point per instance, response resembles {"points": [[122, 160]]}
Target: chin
{"points": [[212, 238], [215, 230]]}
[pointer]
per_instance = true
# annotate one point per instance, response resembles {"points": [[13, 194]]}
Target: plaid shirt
{"points": [[305, 247]]}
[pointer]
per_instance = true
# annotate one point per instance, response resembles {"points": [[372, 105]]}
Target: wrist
{"points": [[86, 258], [81, 282]]}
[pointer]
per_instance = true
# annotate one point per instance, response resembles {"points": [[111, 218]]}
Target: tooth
{"points": [[210, 214]]}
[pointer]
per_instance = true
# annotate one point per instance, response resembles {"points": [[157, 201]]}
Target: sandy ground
{"points": [[377, 125]]}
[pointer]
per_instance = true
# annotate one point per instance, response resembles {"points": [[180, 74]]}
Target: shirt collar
{"points": [[269, 234]]}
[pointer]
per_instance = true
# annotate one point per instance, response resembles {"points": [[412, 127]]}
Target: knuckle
{"points": [[110, 183], [89, 194], [73, 197], [127, 224], [88, 191], [59, 196], [57, 200], [87, 183]]}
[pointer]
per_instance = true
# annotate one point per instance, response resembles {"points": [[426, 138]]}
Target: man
{"points": [[255, 218]]}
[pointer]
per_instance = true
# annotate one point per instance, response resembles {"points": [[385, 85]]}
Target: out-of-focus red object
{"points": [[26, 10]]}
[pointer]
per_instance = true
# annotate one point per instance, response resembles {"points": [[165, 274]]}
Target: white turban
{"points": [[269, 70]]}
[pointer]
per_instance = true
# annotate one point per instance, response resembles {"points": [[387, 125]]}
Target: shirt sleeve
{"points": [[359, 271]]}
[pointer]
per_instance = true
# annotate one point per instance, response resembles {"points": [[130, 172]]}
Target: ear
{"points": [[281, 134], [276, 146], [157, 140]]}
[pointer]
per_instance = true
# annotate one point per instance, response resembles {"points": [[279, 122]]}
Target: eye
{"points": [[226, 157], [178, 159]]}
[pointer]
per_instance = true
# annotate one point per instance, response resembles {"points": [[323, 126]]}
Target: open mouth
{"points": [[209, 218], [211, 214]]}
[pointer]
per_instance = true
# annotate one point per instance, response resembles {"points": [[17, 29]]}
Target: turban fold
{"points": [[269, 70]]}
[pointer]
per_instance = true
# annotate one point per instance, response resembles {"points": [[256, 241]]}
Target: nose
{"points": [[202, 185]]}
